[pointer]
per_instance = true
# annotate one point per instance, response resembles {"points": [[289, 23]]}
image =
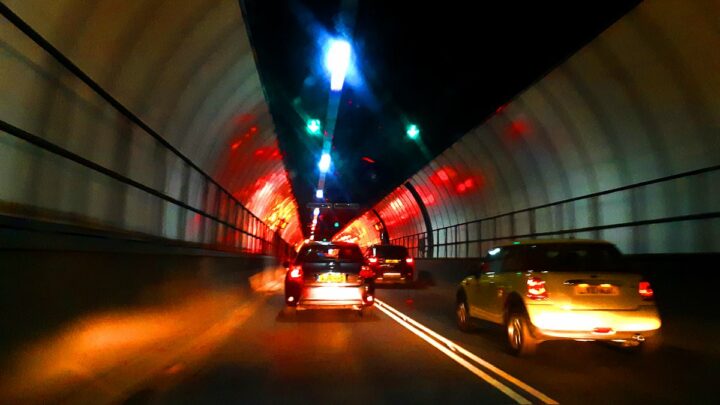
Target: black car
{"points": [[328, 275], [391, 263]]}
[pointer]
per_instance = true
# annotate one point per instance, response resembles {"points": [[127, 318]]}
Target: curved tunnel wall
{"points": [[186, 69], [620, 142]]}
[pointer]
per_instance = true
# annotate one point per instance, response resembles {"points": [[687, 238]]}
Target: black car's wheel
{"points": [[289, 311], [519, 337], [462, 316]]}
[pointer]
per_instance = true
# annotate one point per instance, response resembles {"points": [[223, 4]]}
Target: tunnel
{"points": [[148, 202]]}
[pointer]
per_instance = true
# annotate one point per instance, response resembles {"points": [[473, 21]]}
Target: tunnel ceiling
{"points": [[444, 68]]}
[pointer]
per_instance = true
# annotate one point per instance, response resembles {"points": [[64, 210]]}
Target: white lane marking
{"points": [[490, 380], [455, 347]]}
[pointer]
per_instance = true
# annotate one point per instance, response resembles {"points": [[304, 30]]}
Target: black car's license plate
{"points": [[331, 278]]}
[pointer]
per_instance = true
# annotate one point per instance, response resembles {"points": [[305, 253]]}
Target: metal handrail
{"points": [[117, 105], [709, 215], [80, 74]]}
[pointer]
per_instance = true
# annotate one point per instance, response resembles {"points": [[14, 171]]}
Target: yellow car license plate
{"points": [[392, 261], [596, 290], [331, 278]]}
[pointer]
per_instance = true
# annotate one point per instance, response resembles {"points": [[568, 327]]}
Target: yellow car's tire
{"points": [[462, 316], [519, 335]]}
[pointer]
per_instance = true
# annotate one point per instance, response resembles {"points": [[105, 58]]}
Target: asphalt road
{"points": [[225, 346]]}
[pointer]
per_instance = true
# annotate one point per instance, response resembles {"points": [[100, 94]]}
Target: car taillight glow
{"points": [[645, 290], [536, 288], [366, 272], [296, 272], [373, 260], [409, 260]]}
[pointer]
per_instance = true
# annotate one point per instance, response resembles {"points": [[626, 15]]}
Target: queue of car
{"points": [[537, 290]]}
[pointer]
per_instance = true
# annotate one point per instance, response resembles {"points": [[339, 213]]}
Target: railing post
{"points": [[480, 234], [512, 226], [467, 240], [456, 242], [495, 231], [426, 217], [531, 218], [595, 216]]}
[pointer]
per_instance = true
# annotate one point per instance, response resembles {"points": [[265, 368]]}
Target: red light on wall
{"points": [[236, 145], [461, 188], [517, 128], [267, 152], [469, 183], [367, 159], [443, 175], [397, 205], [428, 199]]}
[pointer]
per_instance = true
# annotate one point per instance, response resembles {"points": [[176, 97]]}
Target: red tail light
{"points": [[373, 260], [536, 289], [366, 272], [409, 260], [296, 273], [645, 290]]}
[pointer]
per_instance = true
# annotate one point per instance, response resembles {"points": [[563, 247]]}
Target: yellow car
{"points": [[560, 289]]}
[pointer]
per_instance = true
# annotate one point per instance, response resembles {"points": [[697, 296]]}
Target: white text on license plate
{"points": [[596, 290], [331, 278]]}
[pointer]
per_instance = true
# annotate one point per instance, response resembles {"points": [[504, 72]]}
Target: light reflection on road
{"points": [[108, 355]]}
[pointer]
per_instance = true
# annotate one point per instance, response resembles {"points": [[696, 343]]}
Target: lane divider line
{"points": [[472, 368], [456, 348]]}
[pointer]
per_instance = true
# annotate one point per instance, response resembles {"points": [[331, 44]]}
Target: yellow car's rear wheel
{"points": [[519, 335], [462, 316]]}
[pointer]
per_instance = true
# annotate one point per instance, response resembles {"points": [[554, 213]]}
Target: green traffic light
{"points": [[412, 131], [313, 127], [337, 224]]}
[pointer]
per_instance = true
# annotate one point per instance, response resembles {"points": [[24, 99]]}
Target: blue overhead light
{"points": [[337, 62], [324, 164]]}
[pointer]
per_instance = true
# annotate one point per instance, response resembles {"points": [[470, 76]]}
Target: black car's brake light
{"points": [[296, 273], [366, 272]]}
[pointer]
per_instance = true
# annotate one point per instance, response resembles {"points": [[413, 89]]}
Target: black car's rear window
{"points": [[330, 252], [390, 252], [573, 257]]}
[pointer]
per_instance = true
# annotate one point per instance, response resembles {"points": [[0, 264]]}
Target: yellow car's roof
{"points": [[552, 241]]}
